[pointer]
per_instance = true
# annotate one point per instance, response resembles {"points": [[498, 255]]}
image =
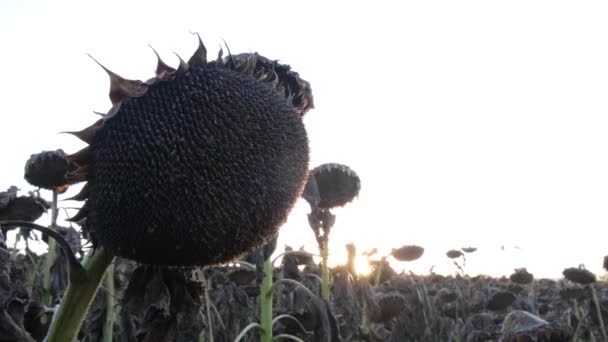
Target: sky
{"points": [[470, 123]]}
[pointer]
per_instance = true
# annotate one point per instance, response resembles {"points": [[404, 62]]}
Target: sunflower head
{"points": [[22, 208], [198, 165], [521, 276], [454, 253], [332, 185], [49, 170], [407, 253], [579, 275]]}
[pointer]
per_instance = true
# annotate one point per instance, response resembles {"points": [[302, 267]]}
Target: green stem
{"points": [[78, 297], [266, 303], [15, 251], [379, 271], [208, 304], [325, 269], [599, 313], [47, 296], [108, 328]]}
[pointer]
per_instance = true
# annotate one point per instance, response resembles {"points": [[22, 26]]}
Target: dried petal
{"points": [[183, 66], [162, 69], [88, 134], [200, 55], [121, 88]]}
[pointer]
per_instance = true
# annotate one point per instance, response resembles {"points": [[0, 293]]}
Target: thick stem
{"points": [[325, 286], [207, 285], [108, 328], [47, 296], [78, 297], [266, 303]]}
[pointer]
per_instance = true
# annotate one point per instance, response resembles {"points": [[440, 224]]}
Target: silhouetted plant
{"points": [[329, 186], [407, 253], [521, 276]]}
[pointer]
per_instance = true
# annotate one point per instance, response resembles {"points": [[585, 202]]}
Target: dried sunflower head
{"points": [[391, 305], [520, 325], [407, 253], [454, 253], [49, 170], [522, 276], [469, 249], [579, 275], [22, 208], [198, 165], [336, 185]]}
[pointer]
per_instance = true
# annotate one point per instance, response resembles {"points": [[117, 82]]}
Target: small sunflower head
{"points": [[579, 275], [22, 208], [454, 253], [334, 184], [391, 305], [407, 253], [520, 325], [500, 300], [49, 170], [521, 276], [469, 249]]}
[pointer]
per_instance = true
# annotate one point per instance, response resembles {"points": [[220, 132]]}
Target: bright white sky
{"points": [[477, 123]]}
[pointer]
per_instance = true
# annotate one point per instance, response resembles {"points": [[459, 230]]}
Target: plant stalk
{"points": [[78, 297], [47, 296], [108, 328], [379, 271], [209, 330], [266, 303], [325, 286], [599, 313]]}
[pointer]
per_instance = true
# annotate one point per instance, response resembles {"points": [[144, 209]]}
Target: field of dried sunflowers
{"points": [[220, 303], [141, 263]]}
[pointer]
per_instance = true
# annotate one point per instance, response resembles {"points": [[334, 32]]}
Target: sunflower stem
{"points": [[379, 271], [599, 312], [325, 269], [208, 304], [47, 296], [15, 251], [266, 303], [108, 328], [78, 297]]}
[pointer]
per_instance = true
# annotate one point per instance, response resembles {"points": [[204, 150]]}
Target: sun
{"points": [[361, 265]]}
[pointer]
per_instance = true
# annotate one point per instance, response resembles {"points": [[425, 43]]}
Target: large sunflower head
{"points": [[198, 165]]}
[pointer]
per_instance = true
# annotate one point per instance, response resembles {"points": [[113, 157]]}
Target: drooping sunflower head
{"points": [[197, 165], [407, 253], [48, 170], [579, 275], [521, 276], [332, 185], [454, 253]]}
